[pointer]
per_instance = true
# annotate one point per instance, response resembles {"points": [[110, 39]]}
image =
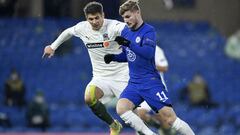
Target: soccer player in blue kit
{"points": [[138, 40]]}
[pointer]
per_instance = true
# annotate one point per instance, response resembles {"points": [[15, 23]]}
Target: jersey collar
{"points": [[138, 27]]}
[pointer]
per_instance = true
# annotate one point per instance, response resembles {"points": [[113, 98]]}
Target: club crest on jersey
{"points": [[131, 56], [105, 37], [138, 39]]}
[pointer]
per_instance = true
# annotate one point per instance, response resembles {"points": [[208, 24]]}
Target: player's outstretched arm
{"points": [[50, 49]]}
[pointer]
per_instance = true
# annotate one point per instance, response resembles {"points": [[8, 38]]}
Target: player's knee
{"points": [[90, 95], [123, 106], [169, 121], [87, 100], [167, 117], [120, 110]]}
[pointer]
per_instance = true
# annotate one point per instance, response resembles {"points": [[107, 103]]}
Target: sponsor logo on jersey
{"points": [[94, 45], [138, 39], [105, 37], [131, 56]]}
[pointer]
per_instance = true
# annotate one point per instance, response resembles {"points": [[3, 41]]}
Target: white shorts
{"points": [[145, 106], [110, 88]]}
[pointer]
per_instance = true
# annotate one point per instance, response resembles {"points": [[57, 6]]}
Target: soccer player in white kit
{"points": [[108, 80]]}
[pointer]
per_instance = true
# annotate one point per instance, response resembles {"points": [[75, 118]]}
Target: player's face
{"points": [[96, 20], [130, 17]]}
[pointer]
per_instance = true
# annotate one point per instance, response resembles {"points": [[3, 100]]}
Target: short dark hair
{"points": [[93, 8], [130, 5]]}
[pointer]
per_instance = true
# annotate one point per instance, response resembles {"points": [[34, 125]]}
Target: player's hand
{"points": [[122, 41], [48, 52], [108, 58]]}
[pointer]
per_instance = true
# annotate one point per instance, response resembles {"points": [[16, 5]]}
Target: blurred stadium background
{"points": [[193, 34]]}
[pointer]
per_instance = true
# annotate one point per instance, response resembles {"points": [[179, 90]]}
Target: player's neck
{"points": [[138, 26]]}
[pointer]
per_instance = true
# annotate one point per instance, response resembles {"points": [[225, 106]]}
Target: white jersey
{"points": [[93, 41]]}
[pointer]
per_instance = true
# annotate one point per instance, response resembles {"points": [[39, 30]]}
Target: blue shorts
{"points": [[156, 96]]}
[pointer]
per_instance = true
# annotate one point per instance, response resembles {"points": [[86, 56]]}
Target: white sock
{"points": [[182, 127], [135, 122]]}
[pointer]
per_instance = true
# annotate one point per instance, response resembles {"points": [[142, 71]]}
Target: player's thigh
{"points": [[101, 90], [117, 87]]}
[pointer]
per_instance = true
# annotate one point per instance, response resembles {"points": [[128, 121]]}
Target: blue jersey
{"points": [[145, 83], [140, 56]]}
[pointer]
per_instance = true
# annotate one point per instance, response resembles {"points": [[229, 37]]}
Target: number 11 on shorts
{"points": [[162, 96]]}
